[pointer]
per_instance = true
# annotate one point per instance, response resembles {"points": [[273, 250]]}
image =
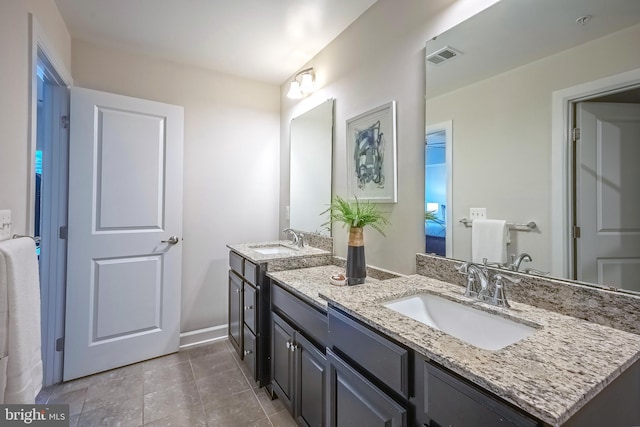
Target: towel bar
{"points": [[514, 226]]}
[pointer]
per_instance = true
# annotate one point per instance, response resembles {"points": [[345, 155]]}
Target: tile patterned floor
{"points": [[201, 386]]}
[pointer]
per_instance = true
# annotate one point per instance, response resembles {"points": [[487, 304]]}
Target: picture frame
{"points": [[372, 155]]}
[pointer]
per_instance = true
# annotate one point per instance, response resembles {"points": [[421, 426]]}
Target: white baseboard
{"points": [[201, 336]]}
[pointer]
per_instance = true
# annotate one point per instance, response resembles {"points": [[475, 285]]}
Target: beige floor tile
{"points": [[168, 376]]}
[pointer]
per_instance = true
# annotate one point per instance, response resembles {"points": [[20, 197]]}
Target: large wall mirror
{"points": [[310, 168], [499, 78]]}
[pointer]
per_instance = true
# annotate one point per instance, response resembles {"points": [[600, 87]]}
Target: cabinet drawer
{"points": [[354, 401], [380, 357], [250, 318], [251, 272], [453, 402], [311, 321], [236, 263], [250, 351]]}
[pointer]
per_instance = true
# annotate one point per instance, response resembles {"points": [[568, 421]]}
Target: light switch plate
{"points": [[5, 224], [477, 213]]}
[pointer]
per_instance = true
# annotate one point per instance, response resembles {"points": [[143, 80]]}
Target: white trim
{"points": [[447, 127], [204, 335], [561, 172], [38, 40], [53, 260]]}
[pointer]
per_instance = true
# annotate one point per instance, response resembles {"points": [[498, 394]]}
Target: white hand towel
{"points": [[489, 238], [19, 281]]}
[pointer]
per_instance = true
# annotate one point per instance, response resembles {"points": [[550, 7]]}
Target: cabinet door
{"points": [[310, 378], [250, 300], [235, 311], [282, 359], [354, 401], [249, 341]]}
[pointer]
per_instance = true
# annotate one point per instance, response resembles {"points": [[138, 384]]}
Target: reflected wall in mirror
{"points": [[511, 92], [310, 168]]}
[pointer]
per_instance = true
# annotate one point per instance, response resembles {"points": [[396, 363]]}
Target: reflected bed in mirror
{"points": [[521, 74], [310, 168]]}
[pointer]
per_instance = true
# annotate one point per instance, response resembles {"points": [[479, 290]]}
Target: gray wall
{"points": [[380, 58]]}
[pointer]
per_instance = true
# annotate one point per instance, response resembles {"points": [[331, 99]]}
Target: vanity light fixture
{"points": [[303, 83]]}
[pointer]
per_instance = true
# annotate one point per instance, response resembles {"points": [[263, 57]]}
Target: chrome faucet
{"points": [[486, 291], [297, 238], [474, 273], [515, 262]]}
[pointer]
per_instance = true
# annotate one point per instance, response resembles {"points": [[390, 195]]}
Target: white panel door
{"points": [[608, 202], [125, 202]]}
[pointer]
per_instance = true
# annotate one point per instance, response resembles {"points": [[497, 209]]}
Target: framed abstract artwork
{"points": [[371, 155]]}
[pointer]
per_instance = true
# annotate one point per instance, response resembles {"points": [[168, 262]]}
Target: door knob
{"points": [[172, 240]]}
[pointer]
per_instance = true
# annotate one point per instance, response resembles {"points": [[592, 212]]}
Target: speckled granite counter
{"points": [[309, 283], [298, 257], [551, 374]]}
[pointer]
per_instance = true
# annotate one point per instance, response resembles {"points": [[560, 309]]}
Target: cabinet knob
{"points": [[248, 307], [293, 347], [288, 344], [237, 291], [246, 352]]}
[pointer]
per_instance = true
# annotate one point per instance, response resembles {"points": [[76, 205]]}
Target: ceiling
{"points": [[264, 40], [512, 33]]}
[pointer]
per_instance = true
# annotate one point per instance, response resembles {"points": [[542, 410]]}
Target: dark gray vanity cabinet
{"points": [[453, 401], [368, 376], [298, 361], [249, 314]]}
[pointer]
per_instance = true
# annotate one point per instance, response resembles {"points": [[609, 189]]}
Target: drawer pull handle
{"points": [[248, 307], [247, 352]]}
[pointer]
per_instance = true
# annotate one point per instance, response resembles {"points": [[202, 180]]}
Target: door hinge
{"points": [[575, 134], [576, 232], [60, 344], [63, 232], [65, 122]]}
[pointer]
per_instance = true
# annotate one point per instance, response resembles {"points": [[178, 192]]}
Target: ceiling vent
{"points": [[442, 55]]}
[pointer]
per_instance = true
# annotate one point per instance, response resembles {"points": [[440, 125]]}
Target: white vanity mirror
{"points": [[310, 168], [513, 81]]}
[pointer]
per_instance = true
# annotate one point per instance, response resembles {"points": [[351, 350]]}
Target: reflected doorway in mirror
{"points": [[437, 186]]}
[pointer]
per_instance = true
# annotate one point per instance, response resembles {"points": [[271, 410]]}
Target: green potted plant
{"points": [[356, 216]]}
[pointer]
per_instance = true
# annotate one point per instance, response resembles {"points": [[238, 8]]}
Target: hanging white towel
{"points": [[19, 281], [489, 238]]}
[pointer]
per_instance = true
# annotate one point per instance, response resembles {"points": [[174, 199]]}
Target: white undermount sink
{"points": [[272, 249], [476, 327]]}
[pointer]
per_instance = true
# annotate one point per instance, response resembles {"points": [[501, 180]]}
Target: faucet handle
{"points": [[462, 268], [499, 293]]}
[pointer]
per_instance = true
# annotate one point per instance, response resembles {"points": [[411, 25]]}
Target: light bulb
{"points": [[307, 83], [294, 91]]}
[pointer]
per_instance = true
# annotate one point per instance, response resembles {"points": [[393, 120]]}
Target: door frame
{"points": [[447, 127], [562, 169], [53, 290]]}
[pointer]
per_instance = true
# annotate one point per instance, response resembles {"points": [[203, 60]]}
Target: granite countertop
{"points": [[248, 251], [551, 374], [310, 283]]}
